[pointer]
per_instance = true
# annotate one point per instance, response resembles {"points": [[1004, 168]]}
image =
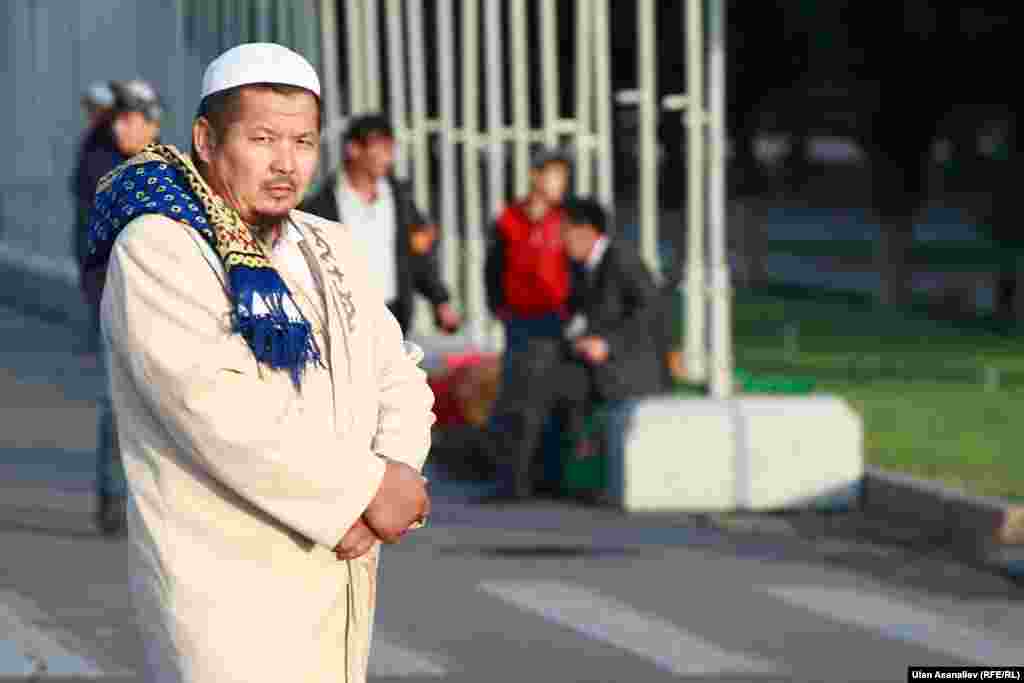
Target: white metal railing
{"points": [[707, 277], [720, 293], [454, 129], [694, 343], [463, 143]]}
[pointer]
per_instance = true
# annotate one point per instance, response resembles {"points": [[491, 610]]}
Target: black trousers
{"points": [[540, 378]]}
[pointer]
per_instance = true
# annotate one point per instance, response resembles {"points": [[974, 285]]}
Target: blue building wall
{"points": [[51, 50]]}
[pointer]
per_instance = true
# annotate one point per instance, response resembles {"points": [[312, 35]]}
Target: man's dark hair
{"points": [[365, 126], [136, 96], [542, 157], [586, 211]]}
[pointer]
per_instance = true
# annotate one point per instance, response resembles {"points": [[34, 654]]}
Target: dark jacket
{"points": [[622, 305], [494, 273], [97, 156], [416, 273]]}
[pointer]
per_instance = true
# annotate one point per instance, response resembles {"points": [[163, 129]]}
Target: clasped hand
{"points": [[400, 502], [593, 349]]}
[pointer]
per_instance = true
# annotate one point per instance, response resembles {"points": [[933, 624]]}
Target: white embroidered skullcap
{"points": [[259, 63]]}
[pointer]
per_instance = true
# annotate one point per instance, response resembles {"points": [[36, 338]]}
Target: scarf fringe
{"points": [[263, 310], [261, 316]]}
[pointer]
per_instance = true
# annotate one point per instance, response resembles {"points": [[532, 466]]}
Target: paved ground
{"points": [[542, 592]]}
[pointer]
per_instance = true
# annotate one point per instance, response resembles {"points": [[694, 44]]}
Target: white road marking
{"points": [[900, 621], [390, 660], [14, 662], [605, 619], [24, 643]]}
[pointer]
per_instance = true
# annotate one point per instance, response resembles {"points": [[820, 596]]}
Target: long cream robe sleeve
{"points": [[403, 397], [240, 485]]}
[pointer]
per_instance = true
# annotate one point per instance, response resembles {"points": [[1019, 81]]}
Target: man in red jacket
{"points": [[527, 279], [527, 271]]}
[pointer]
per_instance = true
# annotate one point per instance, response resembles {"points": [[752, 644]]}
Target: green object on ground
{"points": [[750, 383], [590, 473], [687, 389]]}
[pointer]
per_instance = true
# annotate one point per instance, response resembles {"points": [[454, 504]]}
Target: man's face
{"points": [[133, 131], [579, 239], [375, 154], [551, 182], [267, 155]]}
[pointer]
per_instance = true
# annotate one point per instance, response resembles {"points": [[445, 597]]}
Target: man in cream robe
{"points": [[241, 484]]}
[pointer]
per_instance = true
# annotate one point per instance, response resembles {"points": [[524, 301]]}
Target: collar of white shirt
{"points": [[596, 254]]}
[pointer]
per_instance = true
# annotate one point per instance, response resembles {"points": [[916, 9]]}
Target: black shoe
{"points": [[111, 514], [504, 495], [593, 498], [548, 492]]}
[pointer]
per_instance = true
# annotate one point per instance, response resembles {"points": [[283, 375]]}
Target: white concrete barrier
{"points": [[749, 453]]}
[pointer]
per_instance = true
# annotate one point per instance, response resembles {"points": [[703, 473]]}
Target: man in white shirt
{"points": [[365, 196]]}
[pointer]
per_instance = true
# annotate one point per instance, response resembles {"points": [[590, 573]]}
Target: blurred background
{"points": [[867, 155], [871, 158], [846, 124]]}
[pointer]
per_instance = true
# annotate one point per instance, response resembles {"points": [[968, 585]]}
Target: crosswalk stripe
{"points": [[605, 619], [27, 645], [390, 660], [14, 662], [899, 621]]}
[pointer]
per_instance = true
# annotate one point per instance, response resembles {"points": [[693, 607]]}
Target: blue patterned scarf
{"points": [[161, 180]]}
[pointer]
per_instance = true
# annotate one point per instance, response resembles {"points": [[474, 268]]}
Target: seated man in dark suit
{"points": [[611, 350]]}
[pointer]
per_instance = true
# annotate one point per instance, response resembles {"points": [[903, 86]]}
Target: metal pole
{"points": [[584, 74], [262, 13], [418, 129], [446, 82], [721, 294], [694, 356], [285, 34], [520, 95], [371, 59], [354, 48], [603, 103], [308, 29], [414, 151], [220, 18], [495, 77], [549, 65], [332, 82], [473, 246], [396, 87], [648, 110], [242, 22]]}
